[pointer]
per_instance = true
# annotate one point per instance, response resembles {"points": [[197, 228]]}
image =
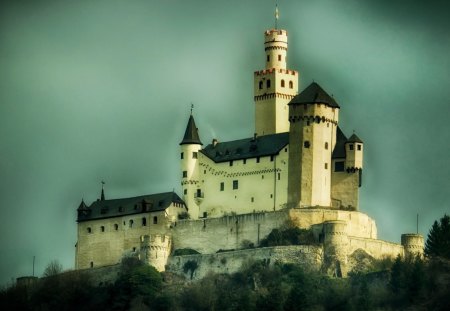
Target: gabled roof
{"points": [[191, 133], [129, 206], [247, 148], [314, 94], [339, 149], [354, 139]]}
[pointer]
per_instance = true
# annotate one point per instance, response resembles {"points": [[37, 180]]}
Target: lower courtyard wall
{"points": [[378, 249], [198, 266]]}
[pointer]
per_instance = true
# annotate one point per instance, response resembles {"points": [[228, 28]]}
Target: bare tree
{"points": [[53, 268]]}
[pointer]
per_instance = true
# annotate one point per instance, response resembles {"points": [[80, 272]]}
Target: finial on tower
{"points": [[102, 197], [192, 108], [276, 15]]}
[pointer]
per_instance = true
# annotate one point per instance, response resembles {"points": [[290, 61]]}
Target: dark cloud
{"points": [[102, 90]]}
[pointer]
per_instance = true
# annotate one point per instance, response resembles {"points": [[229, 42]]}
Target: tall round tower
{"points": [[274, 86], [313, 117], [190, 146], [413, 245]]}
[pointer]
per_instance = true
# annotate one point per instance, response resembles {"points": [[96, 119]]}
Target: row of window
{"points": [[261, 84], [130, 224], [194, 155], [307, 144], [279, 58], [258, 160]]}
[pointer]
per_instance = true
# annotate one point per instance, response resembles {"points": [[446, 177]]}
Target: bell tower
{"points": [[274, 86]]}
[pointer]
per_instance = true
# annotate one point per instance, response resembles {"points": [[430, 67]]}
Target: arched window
{"points": [[144, 221], [131, 223], [89, 230], [102, 228], [260, 85], [268, 83], [116, 227], [155, 220], [291, 85], [282, 83]]}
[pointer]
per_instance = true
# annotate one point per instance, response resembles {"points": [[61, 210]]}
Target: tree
{"points": [[438, 240], [53, 268]]}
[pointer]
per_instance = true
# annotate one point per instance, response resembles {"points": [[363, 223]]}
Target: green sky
{"points": [[101, 90]]}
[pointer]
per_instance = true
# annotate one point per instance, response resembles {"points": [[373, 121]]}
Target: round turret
{"points": [[413, 245], [335, 246], [275, 44]]}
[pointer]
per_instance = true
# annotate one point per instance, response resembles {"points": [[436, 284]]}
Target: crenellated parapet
{"points": [[155, 249], [413, 245]]}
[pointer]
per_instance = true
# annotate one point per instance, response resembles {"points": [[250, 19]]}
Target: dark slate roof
{"points": [[128, 206], [191, 134], [314, 94], [247, 148], [354, 139], [339, 149]]}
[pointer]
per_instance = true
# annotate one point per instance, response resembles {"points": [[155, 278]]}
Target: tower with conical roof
{"points": [[313, 117], [189, 152], [274, 86]]}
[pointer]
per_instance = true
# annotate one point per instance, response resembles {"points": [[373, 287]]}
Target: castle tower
{"points": [[335, 245], [190, 146], [313, 117], [274, 86], [354, 151], [413, 245]]}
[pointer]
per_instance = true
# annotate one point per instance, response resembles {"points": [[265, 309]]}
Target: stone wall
{"points": [[229, 262], [376, 248]]}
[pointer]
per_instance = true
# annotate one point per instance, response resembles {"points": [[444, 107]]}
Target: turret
{"points": [[413, 245], [190, 147], [313, 117], [274, 86], [354, 151]]}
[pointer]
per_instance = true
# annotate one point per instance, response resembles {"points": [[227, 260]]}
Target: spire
{"points": [[82, 206], [276, 16], [102, 197], [191, 133]]}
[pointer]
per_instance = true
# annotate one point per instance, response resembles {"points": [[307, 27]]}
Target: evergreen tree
{"points": [[438, 240]]}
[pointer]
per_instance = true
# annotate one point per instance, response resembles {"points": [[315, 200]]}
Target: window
{"points": [[182, 155], [260, 85], [350, 146], [144, 221], [279, 58], [131, 223], [155, 220], [134, 249], [116, 227], [252, 199], [326, 146], [257, 160], [235, 184], [339, 166], [359, 147], [120, 209], [291, 85], [326, 166], [262, 176], [279, 176], [306, 144], [194, 155], [222, 186], [185, 191], [268, 83], [271, 158], [184, 174], [102, 228], [245, 161], [231, 163], [89, 230], [268, 58], [282, 83], [92, 264], [199, 193]]}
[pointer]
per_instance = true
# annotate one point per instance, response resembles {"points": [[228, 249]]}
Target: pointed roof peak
{"points": [[354, 139], [191, 134], [314, 94], [82, 205], [102, 196]]}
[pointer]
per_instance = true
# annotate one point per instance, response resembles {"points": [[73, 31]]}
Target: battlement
{"points": [[273, 70], [412, 244]]}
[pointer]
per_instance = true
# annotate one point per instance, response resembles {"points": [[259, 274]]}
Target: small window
{"points": [[194, 155], [285, 149], [231, 163], [134, 249], [271, 158], [268, 83], [89, 230], [184, 174], [339, 166], [144, 221], [155, 220], [326, 166], [262, 176], [102, 228], [359, 147], [326, 146], [279, 176], [282, 83], [116, 227], [92, 264], [257, 160], [253, 199], [199, 193], [306, 144], [260, 85], [291, 85], [279, 58], [271, 196], [245, 161], [268, 58], [350, 146], [222, 186], [204, 172], [182, 155], [235, 184], [185, 191], [131, 223]]}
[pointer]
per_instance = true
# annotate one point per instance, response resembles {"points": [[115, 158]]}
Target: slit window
{"points": [[260, 85], [326, 166], [89, 230], [102, 228], [231, 163], [268, 83], [116, 227], [144, 221], [279, 58], [222, 186], [184, 174], [326, 146], [131, 223], [268, 58], [182, 155], [291, 85], [155, 220]]}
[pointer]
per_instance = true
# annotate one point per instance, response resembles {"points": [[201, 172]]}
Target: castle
{"points": [[298, 168]]}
